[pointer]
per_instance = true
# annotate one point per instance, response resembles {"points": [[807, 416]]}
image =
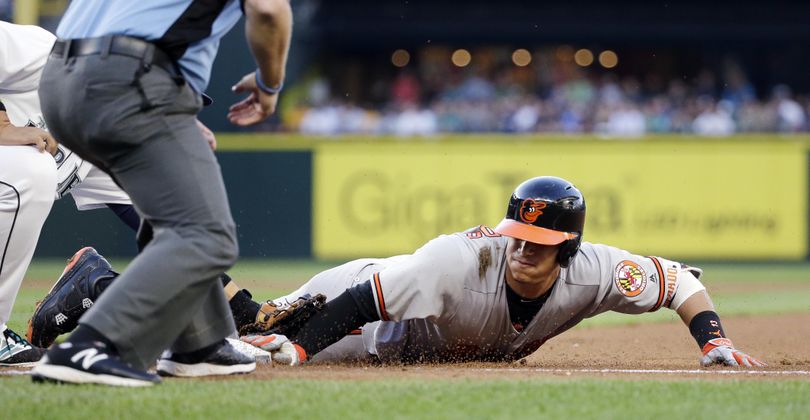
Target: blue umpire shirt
{"points": [[188, 30]]}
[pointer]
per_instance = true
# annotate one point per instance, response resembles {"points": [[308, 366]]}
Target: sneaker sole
{"points": [[29, 335], [20, 365], [64, 374], [171, 368]]}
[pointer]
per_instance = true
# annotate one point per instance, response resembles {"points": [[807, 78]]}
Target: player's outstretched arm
{"points": [[268, 29], [347, 312], [698, 313], [11, 135]]}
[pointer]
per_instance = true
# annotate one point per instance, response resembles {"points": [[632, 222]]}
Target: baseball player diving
{"points": [[491, 294], [497, 294]]}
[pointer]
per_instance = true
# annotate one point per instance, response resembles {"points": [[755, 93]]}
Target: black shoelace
{"points": [[8, 333]]}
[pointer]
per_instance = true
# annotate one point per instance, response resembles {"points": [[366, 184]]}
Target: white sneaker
{"points": [[16, 351], [224, 360], [261, 356]]}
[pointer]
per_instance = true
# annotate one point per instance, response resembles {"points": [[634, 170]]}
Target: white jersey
{"points": [[23, 53], [447, 301]]}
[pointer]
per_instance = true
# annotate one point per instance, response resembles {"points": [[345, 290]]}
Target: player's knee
{"points": [[220, 245], [40, 188], [230, 248]]}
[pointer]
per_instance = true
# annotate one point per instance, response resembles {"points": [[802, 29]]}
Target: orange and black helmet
{"points": [[546, 210]]}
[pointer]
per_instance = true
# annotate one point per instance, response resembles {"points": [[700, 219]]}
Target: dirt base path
{"points": [[782, 341], [647, 351]]}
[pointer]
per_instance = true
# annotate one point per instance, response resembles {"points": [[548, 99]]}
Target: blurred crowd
{"points": [[553, 96]]}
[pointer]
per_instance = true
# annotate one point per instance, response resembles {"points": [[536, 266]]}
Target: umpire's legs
{"points": [[174, 281], [170, 295]]}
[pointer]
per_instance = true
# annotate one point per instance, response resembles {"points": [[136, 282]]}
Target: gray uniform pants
{"points": [[144, 134]]}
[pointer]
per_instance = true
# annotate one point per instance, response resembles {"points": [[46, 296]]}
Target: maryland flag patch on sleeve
{"points": [[630, 278]]}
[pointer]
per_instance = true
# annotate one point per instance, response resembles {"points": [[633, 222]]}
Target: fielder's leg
{"points": [[27, 191]]}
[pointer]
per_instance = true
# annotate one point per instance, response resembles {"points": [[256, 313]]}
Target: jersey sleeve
{"points": [[634, 284], [426, 285], [23, 52]]}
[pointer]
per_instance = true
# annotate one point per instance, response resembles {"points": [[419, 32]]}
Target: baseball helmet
{"points": [[546, 210]]}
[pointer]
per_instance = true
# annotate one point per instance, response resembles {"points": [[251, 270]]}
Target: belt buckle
{"points": [[106, 46], [66, 52], [148, 56]]}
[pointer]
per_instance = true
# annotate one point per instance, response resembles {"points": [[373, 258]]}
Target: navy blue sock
{"points": [[127, 214]]}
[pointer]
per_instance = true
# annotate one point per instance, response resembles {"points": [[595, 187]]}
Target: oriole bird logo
{"points": [[530, 210]]}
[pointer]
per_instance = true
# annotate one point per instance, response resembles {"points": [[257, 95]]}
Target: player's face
{"points": [[529, 262]]}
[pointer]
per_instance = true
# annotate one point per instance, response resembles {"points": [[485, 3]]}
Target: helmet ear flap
{"points": [[568, 250]]}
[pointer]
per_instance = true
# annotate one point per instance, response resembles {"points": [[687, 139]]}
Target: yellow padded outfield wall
{"points": [[675, 198]]}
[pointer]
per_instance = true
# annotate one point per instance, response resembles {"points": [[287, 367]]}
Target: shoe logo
{"points": [[86, 303], [12, 344], [60, 318], [89, 357], [10, 349]]}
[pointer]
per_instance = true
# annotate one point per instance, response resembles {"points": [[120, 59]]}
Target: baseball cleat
{"points": [[223, 360], [89, 363], [16, 351], [70, 297]]}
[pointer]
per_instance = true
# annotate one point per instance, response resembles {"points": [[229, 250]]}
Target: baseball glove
{"points": [[284, 320]]}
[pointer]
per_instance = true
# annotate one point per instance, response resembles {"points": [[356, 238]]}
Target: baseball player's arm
{"points": [[268, 29], [349, 311], [697, 312], [645, 284], [11, 135]]}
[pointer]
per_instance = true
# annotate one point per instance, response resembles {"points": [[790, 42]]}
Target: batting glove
{"points": [[721, 351], [282, 349]]}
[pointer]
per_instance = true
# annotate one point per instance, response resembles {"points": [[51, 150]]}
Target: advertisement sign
{"points": [[680, 199]]}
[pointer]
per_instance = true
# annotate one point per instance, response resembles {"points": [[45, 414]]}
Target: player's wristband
{"points": [[706, 326], [267, 89]]}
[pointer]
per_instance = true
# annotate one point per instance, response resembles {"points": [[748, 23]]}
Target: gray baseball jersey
{"points": [[447, 301]]}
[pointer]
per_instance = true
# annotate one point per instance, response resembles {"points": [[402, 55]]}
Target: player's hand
{"points": [[33, 136], [253, 109], [721, 351], [48, 144], [208, 135], [282, 349]]}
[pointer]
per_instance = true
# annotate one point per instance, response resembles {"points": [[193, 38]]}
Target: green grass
{"points": [[435, 399], [727, 304], [257, 271], [760, 273]]}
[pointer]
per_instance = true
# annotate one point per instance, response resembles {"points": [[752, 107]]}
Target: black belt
{"points": [[145, 51]]}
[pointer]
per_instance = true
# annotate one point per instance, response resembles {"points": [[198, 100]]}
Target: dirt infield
{"points": [[646, 351]]}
